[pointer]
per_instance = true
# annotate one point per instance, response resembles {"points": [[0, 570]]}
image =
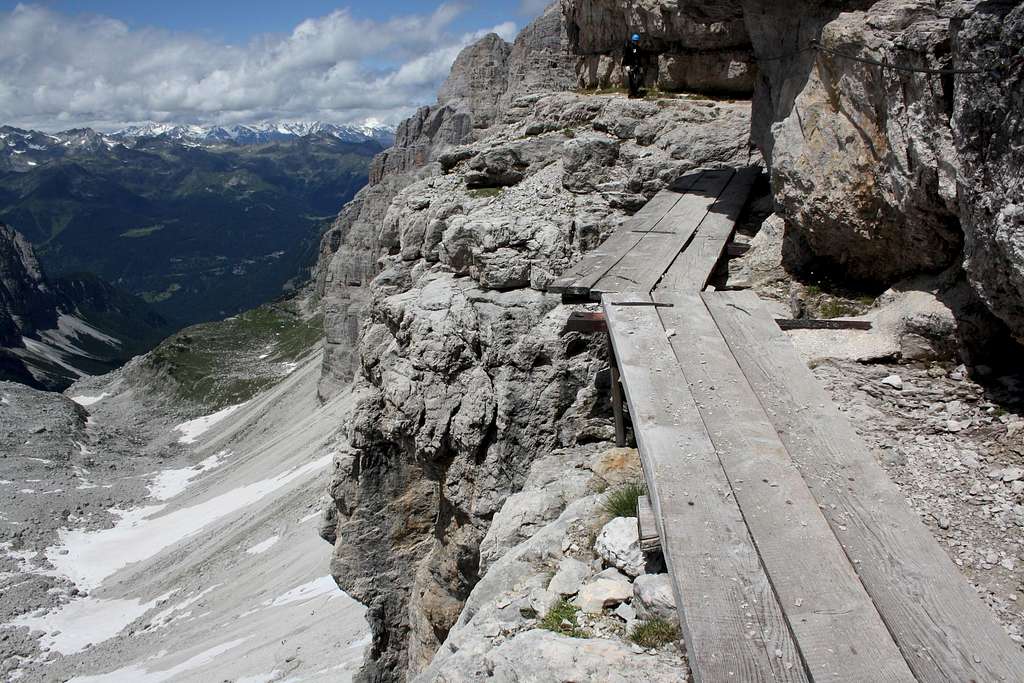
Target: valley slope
{"points": [[198, 223]]}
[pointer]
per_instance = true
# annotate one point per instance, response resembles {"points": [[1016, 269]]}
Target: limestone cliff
{"points": [[440, 268], [433, 279], [887, 127]]}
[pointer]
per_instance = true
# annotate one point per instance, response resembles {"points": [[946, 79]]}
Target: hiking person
{"points": [[633, 64]]}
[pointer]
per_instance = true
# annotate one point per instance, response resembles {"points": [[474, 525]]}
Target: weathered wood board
{"points": [[642, 267], [940, 624], [834, 622], [691, 269], [732, 622], [578, 279]]}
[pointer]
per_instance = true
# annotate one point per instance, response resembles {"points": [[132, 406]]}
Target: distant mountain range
{"points": [[259, 134], [202, 223], [21, 150]]}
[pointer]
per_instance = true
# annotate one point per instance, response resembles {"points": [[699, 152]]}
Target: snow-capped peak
{"points": [[261, 133]]}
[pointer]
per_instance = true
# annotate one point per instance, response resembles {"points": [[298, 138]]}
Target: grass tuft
{"points": [[563, 618], [654, 633], [622, 501], [482, 192]]}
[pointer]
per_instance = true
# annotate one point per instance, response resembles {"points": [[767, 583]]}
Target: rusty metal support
{"points": [[620, 419]]}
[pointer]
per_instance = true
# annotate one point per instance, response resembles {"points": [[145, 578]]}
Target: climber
{"points": [[632, 62]]}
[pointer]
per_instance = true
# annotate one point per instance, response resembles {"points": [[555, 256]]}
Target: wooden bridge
{"points": [[792, 554]]}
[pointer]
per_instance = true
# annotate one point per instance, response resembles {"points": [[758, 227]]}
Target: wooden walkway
{"points": [[793, 556]]}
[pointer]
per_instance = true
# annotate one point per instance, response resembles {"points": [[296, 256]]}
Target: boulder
{"points": [[570, 577], [496, 167], [618, 544], [595, 596], [587, 162], [653, 597]]}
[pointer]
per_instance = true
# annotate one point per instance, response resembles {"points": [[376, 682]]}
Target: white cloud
{"points": [[58, 71]]}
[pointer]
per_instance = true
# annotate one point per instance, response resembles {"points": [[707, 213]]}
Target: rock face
{"points": [[862, 160], [27, 302], [55, 331], [485, 83], [433, 286], [704, 49], [988, 125]]}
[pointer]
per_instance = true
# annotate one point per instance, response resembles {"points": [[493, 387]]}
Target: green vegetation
{"points": [[563, 618], [157, 297], [826, 299], [569, 132], [219, 364], [143, 232], [482, 192], [230, 224], [654, 633], [837, 308], [621, 502]]}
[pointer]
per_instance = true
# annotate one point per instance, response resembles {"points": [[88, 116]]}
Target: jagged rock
{"points": [[540, 62], [988, 124], [654, 598], [588, 162], [478, 79], [687, 46], [570, 576], [618, 544], [534, 655], [496, 168], [601, 593]]}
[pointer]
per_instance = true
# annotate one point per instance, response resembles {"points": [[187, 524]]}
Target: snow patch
{"points": [[177, 611], [324, 585], [169, 483], [263, 546], [92, 556], [87, 401], [80, 623], [193, 429]]}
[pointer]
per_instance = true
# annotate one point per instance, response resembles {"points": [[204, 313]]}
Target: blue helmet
{"points": [[635, 37]]}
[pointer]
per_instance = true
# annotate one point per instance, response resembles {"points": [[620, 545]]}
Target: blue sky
{"points": [[237, 21], [112, 63]]}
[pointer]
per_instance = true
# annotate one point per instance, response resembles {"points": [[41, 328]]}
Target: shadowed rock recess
{"points": [[432, 280]]}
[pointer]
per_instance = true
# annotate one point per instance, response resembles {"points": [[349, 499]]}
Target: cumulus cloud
{"points": [[58, 71]]}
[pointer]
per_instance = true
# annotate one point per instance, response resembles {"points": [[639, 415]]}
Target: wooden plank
{"points": [[594, 264], [692, 268], [731, 620], [641, 268], [836, 626], [940, 624], [620, 418], [815, 324], [646, 526]]}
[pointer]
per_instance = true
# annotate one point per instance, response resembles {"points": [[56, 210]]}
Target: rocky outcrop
{"points": [[55, 331], [27, 302], [463, 375], [544, 559], [988, 126], [688, 46], [478, 80], [862, 162], [485, 83]]}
